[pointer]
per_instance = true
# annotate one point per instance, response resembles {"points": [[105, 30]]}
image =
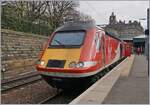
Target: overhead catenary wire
{"points": [[97, 13]]}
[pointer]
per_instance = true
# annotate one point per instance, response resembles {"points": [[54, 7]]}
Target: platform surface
{"points": [[98, 91], [126, 84], [133, 89]]}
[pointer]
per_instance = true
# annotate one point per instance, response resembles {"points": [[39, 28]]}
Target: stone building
{"points": [[122, 29], [131, 32]]}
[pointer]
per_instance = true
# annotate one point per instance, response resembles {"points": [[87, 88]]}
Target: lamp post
{"points": [[147, 39]]}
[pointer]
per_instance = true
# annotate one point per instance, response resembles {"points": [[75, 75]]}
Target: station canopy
{"points": [[126, 37], [140, 38]]}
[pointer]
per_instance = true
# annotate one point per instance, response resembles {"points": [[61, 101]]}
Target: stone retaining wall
{"points": [[19, 49]]}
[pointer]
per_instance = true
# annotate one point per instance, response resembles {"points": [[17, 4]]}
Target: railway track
{"points": [[14, 83], [51, 97], [65, 97], [62, 97]]}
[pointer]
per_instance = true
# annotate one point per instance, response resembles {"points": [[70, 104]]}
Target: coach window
{"points": [[97, 42]]}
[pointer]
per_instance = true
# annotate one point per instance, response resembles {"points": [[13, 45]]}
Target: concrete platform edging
{"points": [[133, 89], [98, 91], [127, 69]]}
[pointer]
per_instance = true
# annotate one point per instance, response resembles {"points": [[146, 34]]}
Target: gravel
{"points": [[30, 94]]}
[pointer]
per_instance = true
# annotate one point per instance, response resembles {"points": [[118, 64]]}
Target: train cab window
{"points": [[68, 39]]}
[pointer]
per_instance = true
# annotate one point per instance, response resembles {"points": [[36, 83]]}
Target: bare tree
{"points": [[29, 10], [35, 9], [53, 13], [85, 17], [57, 10]]}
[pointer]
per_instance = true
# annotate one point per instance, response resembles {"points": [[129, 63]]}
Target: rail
{"points": [[20, 81]]}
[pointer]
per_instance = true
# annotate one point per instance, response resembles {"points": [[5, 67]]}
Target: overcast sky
{"points": [[124, 10]]}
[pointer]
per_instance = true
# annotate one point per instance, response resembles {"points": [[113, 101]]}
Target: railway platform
{"points": [[127, 83]]}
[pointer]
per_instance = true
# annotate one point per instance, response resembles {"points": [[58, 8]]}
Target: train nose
{"points": [[60, 58]]}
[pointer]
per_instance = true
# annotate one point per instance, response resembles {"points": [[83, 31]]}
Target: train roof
{"points": [[109, 34], [76, 26], [73, 26]]}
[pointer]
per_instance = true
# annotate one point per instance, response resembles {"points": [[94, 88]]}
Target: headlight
{"points": [[80, 65], [90, 63], [42, 63], [72, 65]]}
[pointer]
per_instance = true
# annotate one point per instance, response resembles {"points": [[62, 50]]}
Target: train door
{"points": [[121, 47], [103, 50]]}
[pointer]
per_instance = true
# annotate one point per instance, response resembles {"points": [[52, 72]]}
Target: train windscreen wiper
{"points": [[59, 42]]}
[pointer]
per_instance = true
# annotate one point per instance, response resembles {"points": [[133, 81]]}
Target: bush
{"points": [[22, 25]]}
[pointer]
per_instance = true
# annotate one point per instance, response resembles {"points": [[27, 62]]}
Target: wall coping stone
{"points": [[22, 33]]}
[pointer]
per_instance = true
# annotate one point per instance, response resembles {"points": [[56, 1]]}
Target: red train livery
{"points": [[77, 52]]}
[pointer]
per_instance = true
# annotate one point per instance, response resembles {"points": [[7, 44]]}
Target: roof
{"points": [[76, 26], [72, 26], [111, 35]]}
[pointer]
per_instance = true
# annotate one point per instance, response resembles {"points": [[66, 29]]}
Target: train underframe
{"points": [[66, 83], [69, 83]]}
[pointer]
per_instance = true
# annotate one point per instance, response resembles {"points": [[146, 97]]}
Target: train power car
{"points": [[76, 52]]}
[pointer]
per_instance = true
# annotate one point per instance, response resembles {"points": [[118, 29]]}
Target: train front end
{"points": [[67, 59]]}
